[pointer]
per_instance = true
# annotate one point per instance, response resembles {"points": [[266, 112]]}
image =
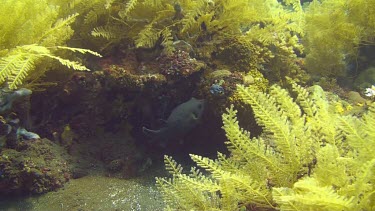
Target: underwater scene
{"points": [[227, 105]]}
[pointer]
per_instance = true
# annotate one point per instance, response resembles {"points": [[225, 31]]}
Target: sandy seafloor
{"points": [[94, 193]]}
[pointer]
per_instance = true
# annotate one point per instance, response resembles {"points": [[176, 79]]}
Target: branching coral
{"points": [[307, 158]]}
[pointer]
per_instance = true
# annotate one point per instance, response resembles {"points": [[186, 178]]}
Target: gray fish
{"points": [[182, 119]]}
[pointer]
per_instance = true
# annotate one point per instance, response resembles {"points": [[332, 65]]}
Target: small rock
{"points": [[78, 173], [248, 80], [116, 165], [356, 98]]}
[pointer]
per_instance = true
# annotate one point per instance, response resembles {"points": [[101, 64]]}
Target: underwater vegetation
{"points": [[266, 36], [302, 149], [308, 157], [31, 38], [335, 33], [250, 32]]}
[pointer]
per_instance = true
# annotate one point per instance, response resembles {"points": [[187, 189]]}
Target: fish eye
{"points": [[194, 115]]}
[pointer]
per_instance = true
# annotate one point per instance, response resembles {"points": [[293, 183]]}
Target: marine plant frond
{"points": [[25, 66], [241, 146], [14, 68], [319, 118], [68, 63], [207, 19], [227, 164], [200, 182], [209, 165], [147, 37], [108, 3], [172, 166], [196, 9], [329, 170], [58, 28], [172, 198], [128, 7], [93, 11], [16, 65], [188, 23], [295, 3], [244, 189], [364, 185], [8, 65], [274, 122], [307, 194], [356, 135], [185, 194], [286, 103], [104, 32], [46, 52], [80, 50], [233, 131], [91, 17], [167, 41], [307, 105], [324, 121], [369, 121], [360, 133]]}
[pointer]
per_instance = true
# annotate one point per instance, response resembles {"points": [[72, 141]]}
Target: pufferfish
{"points": [[181, 121]]}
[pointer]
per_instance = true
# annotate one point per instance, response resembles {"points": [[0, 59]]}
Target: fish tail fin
{"points": [[149, 132]]}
